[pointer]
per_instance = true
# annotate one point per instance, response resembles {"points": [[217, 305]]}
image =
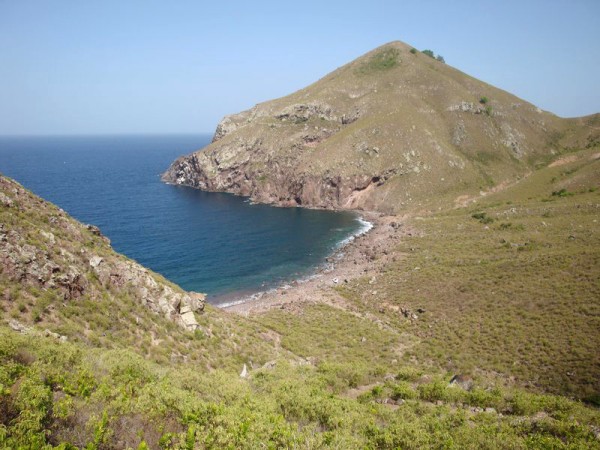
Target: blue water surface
{"points": [[215, 243]]}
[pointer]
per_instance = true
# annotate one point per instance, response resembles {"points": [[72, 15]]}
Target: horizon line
{"points": [[106, 134]]}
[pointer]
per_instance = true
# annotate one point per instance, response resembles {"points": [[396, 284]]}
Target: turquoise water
{"points": [[215, 243]]}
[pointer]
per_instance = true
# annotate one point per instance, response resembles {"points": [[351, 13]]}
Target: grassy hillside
{"points": [[52, 284], [52, 394], [395, 130], [503, 291], [509, 284]]}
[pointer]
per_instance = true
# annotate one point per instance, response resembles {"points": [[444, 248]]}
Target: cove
{"points": [[215, 243]]}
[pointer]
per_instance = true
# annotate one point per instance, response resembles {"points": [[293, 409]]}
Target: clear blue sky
{"points": [[125, 66]]}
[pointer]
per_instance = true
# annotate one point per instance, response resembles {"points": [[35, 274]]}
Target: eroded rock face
{"points": [[302, 112], [160, 298], [282, 188], [60, 254]]}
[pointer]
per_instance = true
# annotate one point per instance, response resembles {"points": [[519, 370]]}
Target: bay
{"points": [[215, 243]]}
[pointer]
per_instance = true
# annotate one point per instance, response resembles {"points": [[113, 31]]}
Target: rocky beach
{"points": [[365, 255]]}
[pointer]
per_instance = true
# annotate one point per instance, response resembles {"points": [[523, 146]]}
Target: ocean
{"points": [[214, 243]]}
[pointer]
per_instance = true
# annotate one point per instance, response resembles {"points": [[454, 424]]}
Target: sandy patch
{"points": [[564, 160]]}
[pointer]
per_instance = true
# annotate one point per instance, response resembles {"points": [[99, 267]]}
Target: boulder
{"points": [[5, 200], [188, 320], [464, 382], [95, 261]]}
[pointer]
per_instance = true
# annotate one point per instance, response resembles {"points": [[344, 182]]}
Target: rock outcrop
{"points": [[385, 137], [160, 298], [42, 247]]}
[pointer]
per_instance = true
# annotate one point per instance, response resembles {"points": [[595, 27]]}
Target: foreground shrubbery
{"points": [[507, 292], [67, 395]]}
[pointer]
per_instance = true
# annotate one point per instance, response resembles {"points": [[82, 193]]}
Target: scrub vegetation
{"points": [[480, 329], [505, 292]]}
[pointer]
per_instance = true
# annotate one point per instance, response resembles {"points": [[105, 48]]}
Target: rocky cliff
{"points": [[47, 254], [393, 130]]}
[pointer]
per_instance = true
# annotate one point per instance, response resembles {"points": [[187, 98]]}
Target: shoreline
{"points": [[362, 254], [321, 269]]}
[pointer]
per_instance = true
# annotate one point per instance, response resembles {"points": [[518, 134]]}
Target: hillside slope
{"points": [[62, 279], [357, 374], [391, 131]]}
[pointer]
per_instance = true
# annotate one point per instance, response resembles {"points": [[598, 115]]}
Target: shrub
{"points": [[404, 391], [482, 217], [484, 100], [413, 51], [408, 373], [561, 193], [511, 226], [484, 398], [439, 390], [429, 53], [440, 58], [382, 60]]}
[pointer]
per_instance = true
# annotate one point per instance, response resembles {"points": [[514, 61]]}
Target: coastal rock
{"points": [[180, 307], [72, 272], [225, 126], [94, 230], [18, 326], [5, 200], [303, 112], [95, 261]]}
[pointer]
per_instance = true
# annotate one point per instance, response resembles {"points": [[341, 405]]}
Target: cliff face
{"points": [[43, 250], [390, 131]]}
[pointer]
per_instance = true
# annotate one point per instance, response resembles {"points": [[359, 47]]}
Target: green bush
{"points": [[383, 60], [439, 390], [408, 373], [482, 217], [561, 193], [484, 398], [404, 391]]}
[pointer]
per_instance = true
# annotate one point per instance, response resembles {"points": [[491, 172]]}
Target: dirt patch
{"points": [[564, 160]]}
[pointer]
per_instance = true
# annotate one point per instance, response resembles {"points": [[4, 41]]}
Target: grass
{"points": [[509, 292], [384, 59], [517, 300]]}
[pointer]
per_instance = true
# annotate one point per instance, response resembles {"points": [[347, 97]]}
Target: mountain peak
{"points": [[395, 129]]}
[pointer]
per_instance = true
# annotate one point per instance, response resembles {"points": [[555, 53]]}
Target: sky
{"points": [[112, 67]]}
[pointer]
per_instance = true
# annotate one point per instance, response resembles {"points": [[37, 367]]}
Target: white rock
{"points": [[95, 261]]}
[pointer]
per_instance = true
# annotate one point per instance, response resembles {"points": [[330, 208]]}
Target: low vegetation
{"points": [[482, 333], [509, 285], [431, 54], [382, 60], [52, 394]]}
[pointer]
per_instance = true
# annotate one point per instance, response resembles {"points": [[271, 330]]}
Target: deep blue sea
{"points": [[215, 243]]}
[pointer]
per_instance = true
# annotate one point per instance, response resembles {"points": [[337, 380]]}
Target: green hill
{"points": [[505, 290], [394, 130]]}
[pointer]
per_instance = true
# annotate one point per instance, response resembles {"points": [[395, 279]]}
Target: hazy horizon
{"points": [[116, 68]]}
